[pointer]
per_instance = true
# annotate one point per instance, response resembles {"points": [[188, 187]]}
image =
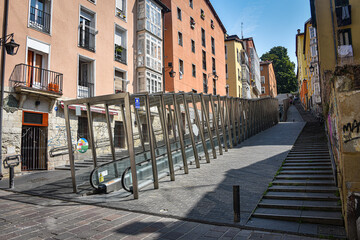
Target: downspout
{"points": [[5, 25], [163, 48], [333, 27]]}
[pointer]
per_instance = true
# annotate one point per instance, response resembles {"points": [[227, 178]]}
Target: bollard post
{"points": [[11, 177], [236, 202]]}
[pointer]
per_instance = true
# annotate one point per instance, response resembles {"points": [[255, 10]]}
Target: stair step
{"points": [[321, 217], [308, 158], [307, 164], [308, 161], [302, 196], [304, 182], [310, 171], [305, 176], [312, 151], [300, 204], [307, 153], [306, 168], [291, 188]]}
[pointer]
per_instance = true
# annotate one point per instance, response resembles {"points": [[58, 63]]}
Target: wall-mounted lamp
{"points": [[11, 46], [215, 76], [172, 73]]}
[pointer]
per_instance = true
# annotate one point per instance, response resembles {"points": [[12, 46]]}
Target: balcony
{"points": [[29, 79], [120, 85], [120, 54], [39, 20], [87, 37], [85, 89]]}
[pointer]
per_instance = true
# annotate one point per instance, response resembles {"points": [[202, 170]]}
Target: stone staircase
{"points": [[303, 197]]}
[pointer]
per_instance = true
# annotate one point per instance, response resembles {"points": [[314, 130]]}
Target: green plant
{"points": [[119, 49]]}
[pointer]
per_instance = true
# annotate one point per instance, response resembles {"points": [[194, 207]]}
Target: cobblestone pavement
{"points": [[28, 217]]}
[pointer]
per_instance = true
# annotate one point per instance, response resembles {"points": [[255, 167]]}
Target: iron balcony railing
{"points": [[36, 78], [85, 89], [120, 54], [87, 37], [39, 19]]}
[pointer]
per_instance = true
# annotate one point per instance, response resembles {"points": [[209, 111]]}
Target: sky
{"points": [[269, 22]]}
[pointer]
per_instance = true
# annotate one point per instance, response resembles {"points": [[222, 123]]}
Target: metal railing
{"points": [[39, 19], [120, 54], [87, 37], [201, 125], [85, 89], [27, 76]]}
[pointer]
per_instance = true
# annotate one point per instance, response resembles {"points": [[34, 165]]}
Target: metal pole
{"points": [[91, 133], [221, 111], [181, 136], [70, 147], [216, 125], [5, 24], [191, 133], [112, 147], [151, 142], [236, 203], [130, 143], [139, 129], [206, 112], [228, 121]]}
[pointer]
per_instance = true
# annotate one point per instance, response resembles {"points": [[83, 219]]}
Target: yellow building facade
{"points": [[337, 24], [234, 47]]}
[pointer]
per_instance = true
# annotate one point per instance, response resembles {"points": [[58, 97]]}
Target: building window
{"points": [[237, 56], [262, 90], [180, 38], [226, 69], [339, 3], [262, 79], [227, 90], [204, 60], [261, 68], [87, 29], [239, 74], [193, 70], [181, 68], [205, 84], [120, 81], [85, 78], [213, 66], [153, 19], [213, 45], [40, 17], [214, 86], [192, 23], [191, 3], [149, 52], [226, 53], [345, 37], [179, 14], [120, 45], [121, 9], [193, 46], [153, 82], [212, 24], [202, 14], [203, 40]]}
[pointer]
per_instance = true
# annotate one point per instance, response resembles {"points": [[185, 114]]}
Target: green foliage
{"points": [[284, 69]]}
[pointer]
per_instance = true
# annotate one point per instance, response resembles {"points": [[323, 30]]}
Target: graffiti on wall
{"points": [[351, 131], [60, 137], [333, 134]]}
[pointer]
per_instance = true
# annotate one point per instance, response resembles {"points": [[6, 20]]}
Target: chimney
{"points": [[298, 31]]}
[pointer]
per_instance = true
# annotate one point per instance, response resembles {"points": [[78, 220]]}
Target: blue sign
{"points": [[56, 108], [137, 102]]}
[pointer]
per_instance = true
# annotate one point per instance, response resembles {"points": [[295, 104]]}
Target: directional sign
{"points": [[137, 102]]}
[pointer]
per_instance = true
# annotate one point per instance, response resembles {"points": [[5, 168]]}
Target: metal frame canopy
{"points": [[192, 126]]}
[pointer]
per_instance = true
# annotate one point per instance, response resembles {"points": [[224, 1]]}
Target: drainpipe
{"points": [[5, 24], [333, 27], [163, 48]]}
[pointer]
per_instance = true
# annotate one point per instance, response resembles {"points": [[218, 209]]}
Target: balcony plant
{"points": [[202, 15], [119, 49]]}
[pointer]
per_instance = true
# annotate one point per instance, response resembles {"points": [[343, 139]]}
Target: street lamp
{"points": [[11, 48]]}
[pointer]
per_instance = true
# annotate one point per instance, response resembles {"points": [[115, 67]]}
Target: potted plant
{"points": [[119, 49]]}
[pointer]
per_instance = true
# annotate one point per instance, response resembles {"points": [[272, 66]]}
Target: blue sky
{"points": [[270, 22]]}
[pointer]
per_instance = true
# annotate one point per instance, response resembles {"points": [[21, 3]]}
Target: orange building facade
{"points": [[268, 80], [194, 47]]}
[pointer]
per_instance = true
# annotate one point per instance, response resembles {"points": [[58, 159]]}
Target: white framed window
{"points": [[149, 81], [312, 32], [86, 77], [181, 69], [149, 52], [262, 79], [120, 47], [153, 18], [193, 70], [180, 39], [120, 9], [179, 14], [87, 31], [40, 15], [120, 81], [191, 3], [193, 46]]}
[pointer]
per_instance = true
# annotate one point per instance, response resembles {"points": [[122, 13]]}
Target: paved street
{"points": [[28, 217]]}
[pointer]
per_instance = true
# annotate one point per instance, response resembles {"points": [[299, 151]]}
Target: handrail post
{"points": [[206, 113], [215, 123]]}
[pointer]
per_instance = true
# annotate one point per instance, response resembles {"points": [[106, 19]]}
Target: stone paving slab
{"points": [[30, 217], [204, 195]]}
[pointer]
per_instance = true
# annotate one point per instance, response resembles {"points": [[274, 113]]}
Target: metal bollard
{"points": [[236, 202], [11, 162]]}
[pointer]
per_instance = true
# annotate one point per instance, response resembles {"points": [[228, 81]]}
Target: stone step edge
{"points": [[300, 207], [319, 220], [309, 198]]}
